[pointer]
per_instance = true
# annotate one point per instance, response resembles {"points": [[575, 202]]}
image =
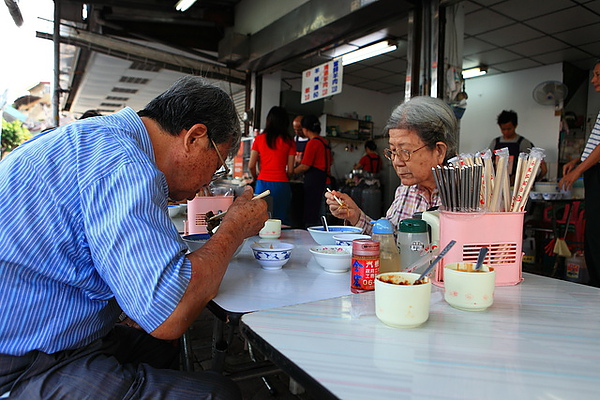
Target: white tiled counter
{"points": [[539, 340]]}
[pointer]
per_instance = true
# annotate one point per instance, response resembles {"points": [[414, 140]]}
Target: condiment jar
{"points": [[365, 265], [412, 240], [389, 257]]}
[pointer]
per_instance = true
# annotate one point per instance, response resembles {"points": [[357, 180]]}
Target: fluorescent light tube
{"points": [[183, 5], [473, 72], [368, 52]]}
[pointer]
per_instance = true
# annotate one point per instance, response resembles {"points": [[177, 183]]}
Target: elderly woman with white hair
{"points": [[422, 134]]}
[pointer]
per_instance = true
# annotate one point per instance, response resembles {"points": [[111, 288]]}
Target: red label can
{"points": [[365, 265]]}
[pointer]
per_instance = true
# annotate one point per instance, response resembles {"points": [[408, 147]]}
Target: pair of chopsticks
{"points": [[258, 196], [339, 201]]}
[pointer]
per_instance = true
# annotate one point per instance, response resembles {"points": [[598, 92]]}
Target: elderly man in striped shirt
{"points": [[588, 166], [86, 235]]}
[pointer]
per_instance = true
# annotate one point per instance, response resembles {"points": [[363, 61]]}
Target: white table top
{"points": [[248, 287], [539, 340]]}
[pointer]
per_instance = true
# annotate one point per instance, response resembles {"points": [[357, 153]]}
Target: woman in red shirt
{"points": [[370, 162], [274, 152], [316, 166]]}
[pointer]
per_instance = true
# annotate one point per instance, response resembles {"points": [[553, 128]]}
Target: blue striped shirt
{"points": [[85, 232], [593, 140]]}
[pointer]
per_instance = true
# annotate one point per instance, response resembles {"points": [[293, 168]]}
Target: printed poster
{"points": [[322, 81]]}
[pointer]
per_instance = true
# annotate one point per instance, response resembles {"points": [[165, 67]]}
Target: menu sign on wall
{"points": [[322, 81]]}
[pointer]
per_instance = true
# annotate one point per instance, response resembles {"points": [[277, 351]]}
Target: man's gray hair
{"points": [[193, 100], [428, 117]]}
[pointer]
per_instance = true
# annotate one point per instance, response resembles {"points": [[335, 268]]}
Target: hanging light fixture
{"points": [[368, 52], [183, 5], [473, 72]]}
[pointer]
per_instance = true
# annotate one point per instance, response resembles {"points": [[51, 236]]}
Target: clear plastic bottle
{"points": [[389, 257]]}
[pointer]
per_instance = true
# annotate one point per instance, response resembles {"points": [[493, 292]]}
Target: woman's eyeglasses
{"points": [[223, 170], [403, 155]]}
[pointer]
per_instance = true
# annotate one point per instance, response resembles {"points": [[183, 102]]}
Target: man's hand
{"points": [[245, 216], [570, 175], [131, 323]]}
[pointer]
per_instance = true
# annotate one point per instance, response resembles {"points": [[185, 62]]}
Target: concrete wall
{"points": [[270, 95], [489, 95]]}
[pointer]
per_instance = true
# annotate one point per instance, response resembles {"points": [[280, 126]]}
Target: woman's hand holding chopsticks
{"points": [[342, 206]]}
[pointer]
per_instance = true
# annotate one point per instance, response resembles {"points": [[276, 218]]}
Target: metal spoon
{"points": [[437, 260], [325, 223], [482, 253]]}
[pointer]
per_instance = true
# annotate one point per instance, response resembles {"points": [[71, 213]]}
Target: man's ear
{"points": [[195, 135]]}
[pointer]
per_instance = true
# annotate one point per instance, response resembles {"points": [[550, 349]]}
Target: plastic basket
{"points": [[501, 232], [198, 208]]}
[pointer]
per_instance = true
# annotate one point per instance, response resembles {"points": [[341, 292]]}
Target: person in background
{"points": [[274, 151], [316, 166], [370, 162], [104, 244], [588, 166], [297, 205], [299, 139], [508, 121], [421, 134]]}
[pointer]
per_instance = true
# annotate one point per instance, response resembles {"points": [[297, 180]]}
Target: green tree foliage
{"points": [[13, 134]]}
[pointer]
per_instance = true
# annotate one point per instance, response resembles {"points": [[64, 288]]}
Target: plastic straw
{"points": [[501, 172], [518, 177], [488, 177], [506, 197], [535, 159]]}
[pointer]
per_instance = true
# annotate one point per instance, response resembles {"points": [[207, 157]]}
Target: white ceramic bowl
{"points": [[323, 237], [401, 305], [552, 196], [272, 255], [345, 239], [173, 210], [535, 195], [333, 258], [197, 240]]}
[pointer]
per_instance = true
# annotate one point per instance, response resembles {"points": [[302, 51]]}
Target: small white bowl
{"points": [[333, 258], [551, 196], [197, 240], [323, 237], [272, 255], [173, 210], [345, 239], [535, 195]]}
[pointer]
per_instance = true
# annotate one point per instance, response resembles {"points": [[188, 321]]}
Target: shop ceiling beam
{"points": [[156, 11], [307, 29], [133, 51]]}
